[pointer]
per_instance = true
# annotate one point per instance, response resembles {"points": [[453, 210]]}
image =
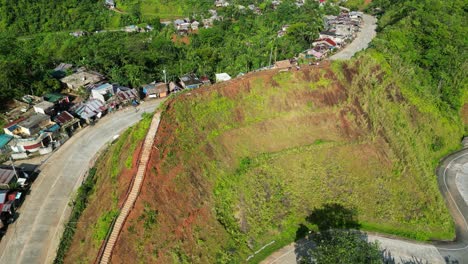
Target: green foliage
{"points": [[25, 16], [426, 39], [149, 217], [102, 226], [79, 204], [343, 247], [241, 44]]}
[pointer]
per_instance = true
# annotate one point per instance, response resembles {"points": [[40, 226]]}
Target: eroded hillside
{"points": [[240, 164]]}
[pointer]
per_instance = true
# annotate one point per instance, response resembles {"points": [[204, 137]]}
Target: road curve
{"points": [[35, 236], [450, 168], [362, 40]]}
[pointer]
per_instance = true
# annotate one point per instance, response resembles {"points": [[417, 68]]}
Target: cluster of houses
{"points": [[44, 123], [186, 25], [338, 31], [14, 183]]}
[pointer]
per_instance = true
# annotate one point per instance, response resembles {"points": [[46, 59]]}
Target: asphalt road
{"points": [[451, 168], [362, 40], [35, 235]]}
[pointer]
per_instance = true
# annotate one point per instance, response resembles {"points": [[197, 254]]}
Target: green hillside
{"points": [[244, 164]]}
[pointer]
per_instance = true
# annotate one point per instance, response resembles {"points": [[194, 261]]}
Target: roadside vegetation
{"points": [[99, 199]]}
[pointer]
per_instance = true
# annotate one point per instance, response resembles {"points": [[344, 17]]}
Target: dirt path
{"points": [[362, 40], [35, 235], [130, 201]]}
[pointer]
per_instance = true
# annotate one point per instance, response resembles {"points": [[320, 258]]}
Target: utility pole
{"points": [[165, 78], [271, 52], [13, 167]]}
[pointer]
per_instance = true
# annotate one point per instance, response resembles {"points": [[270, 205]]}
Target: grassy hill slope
{"points": [[240, 164]]}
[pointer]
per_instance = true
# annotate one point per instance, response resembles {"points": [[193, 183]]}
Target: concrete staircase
{"points": [[132, 196]]}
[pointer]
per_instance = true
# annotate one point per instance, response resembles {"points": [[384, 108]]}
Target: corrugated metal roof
{"points": [[128, 95], [6, 176], [63, 118], [90, 108], [4, 139]]}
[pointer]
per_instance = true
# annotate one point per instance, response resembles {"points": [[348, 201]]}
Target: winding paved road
{"points": [[35, 236], [362, 40]]}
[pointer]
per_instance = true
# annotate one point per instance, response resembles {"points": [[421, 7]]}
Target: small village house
{"points": [[67, 122], [126, 97], [44, 107], [56, 98], [195, 24], [207, 23], [174, 88], [23, 146], [205, 80], [11, 176], [190, 81], [29, 126], [284, 64], [110, 4], [155, 90], [221, 3], [90, 110], [8, 203], [81, 79], [222, 77], [103, 92], [131, 28], [78, 33]]}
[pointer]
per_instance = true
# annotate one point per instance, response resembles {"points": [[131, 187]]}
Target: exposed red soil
{"points": [[180, 39], [181, 209], [83, 246]]}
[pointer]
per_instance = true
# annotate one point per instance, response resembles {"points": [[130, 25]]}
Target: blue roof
{"points": [[53, 128], [4, 139], [103, 87], [12, 128]]}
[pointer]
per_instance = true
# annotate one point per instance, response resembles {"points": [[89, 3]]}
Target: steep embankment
{"points": [[114, 171], [240, 164]]}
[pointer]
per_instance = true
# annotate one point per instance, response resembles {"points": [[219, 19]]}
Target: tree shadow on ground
{"points": [[335, 221], [334, 216], [329, 216], [388, 258]]}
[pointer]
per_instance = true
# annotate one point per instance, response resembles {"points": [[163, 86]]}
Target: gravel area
{"points": [[362, 40]]}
